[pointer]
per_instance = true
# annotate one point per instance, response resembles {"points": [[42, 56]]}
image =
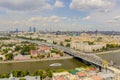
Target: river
{"points": [[114, 56], [67, 64]]}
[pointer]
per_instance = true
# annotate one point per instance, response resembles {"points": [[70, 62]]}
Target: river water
{"points": [[67, 64], [114, 56]]}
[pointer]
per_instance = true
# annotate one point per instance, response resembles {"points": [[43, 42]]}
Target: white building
{"points": [[86, 47]]}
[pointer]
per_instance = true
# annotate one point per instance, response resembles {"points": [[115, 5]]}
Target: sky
{"points": [[62, 15]]}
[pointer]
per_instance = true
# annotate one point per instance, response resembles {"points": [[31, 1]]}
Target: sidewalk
{"points": [[116, 71]]}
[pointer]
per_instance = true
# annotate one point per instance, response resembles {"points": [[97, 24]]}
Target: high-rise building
{"points": [[96, 32], [16, 30], [30, 29], [34, 29]]}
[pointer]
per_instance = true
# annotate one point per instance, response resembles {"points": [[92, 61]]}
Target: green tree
{"points": [[1, 58], [94, 50], [60, 53], [4, 76], [44, 75], [49, 73], [38, 73], [54, 42], [41, 56], [17, 48], [99, 39], [54, 51], [20, 73], [5, 50], [22, 79], [98, 50], [4, 38], [90, 43], [68, 45], [67, 40], [61, 43], [48, 55], [26, 49], [9, 56]]}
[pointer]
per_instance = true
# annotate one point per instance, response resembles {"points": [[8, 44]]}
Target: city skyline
{"points": [[66, 15]]}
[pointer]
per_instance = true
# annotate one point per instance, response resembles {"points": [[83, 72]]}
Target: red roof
{"points": [[59, 78], [42, 48], [80, 74], [34, 52], [97, 78]]}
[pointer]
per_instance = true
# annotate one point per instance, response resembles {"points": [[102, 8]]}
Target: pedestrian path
{"points": [[116, 71]]}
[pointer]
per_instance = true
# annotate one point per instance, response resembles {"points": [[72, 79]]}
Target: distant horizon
{"points": [[63, 30]]}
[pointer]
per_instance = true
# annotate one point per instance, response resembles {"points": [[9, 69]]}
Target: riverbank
{"points": [[116, 72], [34, 60], [106, 52]]}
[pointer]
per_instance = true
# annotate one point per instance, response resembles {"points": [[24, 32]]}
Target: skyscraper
{"points": [[30, 29], [16, 30], [34, 29]]}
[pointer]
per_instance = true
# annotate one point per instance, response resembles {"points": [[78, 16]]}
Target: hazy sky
{"points": [[60, 14]]}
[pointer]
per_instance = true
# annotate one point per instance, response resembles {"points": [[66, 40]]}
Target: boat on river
{"points": [[55, 64]]}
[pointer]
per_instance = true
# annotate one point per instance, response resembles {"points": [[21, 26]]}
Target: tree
{"points": [[48, 55], [9, 56], [4, 38], [61, 43], [68, 45], [90, 43], [38, 73], [41, 73], [41, 56], [112, 45], [17, 48], [49, 73], [22, 79], [20, 73], [26, 73], [26, 49], [104, 49], [94, 50], [4, 76], [54, 42], [1, 58], [5, 50], [60, 53], [98, 50], [54, 51], [44, 75], [99, 39], [67, 40]]}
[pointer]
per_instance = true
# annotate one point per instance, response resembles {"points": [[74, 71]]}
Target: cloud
{"points": [[59, 4], [111, 21], [47, 19], [116, 18], [25, 5], [87, 18], [34, 19], [90, 4], [42, 22]]}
